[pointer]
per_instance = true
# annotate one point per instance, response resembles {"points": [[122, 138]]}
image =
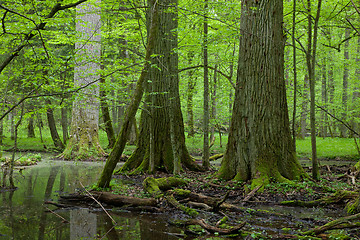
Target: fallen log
{"points": [[112, 199], [156, 186]]}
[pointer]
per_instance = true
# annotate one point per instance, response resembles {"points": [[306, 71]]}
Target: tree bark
{"points": [[260, 145], [155, 149], [121, 140], [52, 126], [206, 149], [84, 130], [345, 83], [190, 94]]}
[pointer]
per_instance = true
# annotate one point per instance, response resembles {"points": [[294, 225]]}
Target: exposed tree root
{"points": [[338, 197], [212, 229], [336, 224]]}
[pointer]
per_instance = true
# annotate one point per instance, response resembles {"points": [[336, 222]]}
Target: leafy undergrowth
{"points": [[264, 215], [27, 160]]}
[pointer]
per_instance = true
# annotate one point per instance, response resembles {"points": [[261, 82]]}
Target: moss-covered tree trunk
{"points": [[260, 145], [155, 118], [84, 141]]}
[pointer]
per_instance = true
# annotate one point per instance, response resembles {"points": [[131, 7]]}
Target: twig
{"points": [[92, 197], [65, 221]]}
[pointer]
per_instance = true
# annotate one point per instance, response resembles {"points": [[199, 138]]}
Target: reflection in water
{"points": [[23, 214], [82, 224]]}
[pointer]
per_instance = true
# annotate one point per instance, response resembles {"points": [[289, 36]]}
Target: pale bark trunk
{"points": [[84, 140], [260, 145]]}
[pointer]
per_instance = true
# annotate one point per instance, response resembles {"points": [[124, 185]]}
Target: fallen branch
{"points": [[252, 193], [212, 229]]}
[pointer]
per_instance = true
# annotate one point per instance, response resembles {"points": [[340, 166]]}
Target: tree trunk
{"points": [[106, 114], [154, 141], [304, 108], [190, 94], [30, 127], [64, 124], [213, 108], [324, 98], [84, 130], [52, 126], [260, 145], [206, 150], [310, 60], [295, 75], [344, 97], [121, 140]]}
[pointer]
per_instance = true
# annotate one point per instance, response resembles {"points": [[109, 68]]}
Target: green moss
{"points": [[168, 183], [353, 207], [181, 192], [151, 186], [357, 166]]}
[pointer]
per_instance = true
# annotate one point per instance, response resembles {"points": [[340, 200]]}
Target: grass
{"points": [[331, 148]]}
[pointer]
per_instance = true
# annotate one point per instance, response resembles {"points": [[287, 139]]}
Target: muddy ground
{"points": [[263, 213]]}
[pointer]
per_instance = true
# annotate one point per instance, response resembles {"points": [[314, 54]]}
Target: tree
{"points": [[260, 147], [84, 141], [163, 103]]}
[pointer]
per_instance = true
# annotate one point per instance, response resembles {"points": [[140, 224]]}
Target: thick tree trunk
{"points": [[84, 140], [260, 145], [155, 143]]}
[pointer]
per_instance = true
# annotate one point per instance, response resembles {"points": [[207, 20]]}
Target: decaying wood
{"points": [[212, 229], [111, 199], [336, 224], [338, 197], [216, 156], [189, 211], [59, 205], [252, 193]]}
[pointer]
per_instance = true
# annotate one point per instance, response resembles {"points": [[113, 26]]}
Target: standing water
{"points": [[23, 214]]}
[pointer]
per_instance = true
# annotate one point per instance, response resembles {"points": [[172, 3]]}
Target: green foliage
{"points": [[27, 160]]}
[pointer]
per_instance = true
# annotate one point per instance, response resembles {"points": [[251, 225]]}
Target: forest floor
{"points": [[262, 212]]}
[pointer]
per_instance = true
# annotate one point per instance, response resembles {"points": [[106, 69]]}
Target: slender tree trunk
{"points": [[106, 114], [64, 124], [344, 97], [295, 75], [310, 59], [52, 126], [213, 107], [324, 98], [121, 140], [206, 152], [304, 108], [331, 88], [190, 94], [260, 146], [356, 92]]}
